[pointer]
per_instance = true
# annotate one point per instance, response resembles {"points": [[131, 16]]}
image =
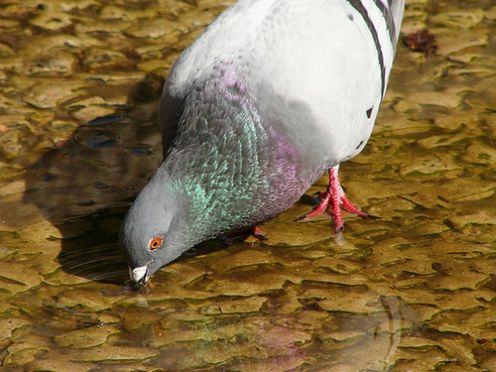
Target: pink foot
{"points": [[243, 235], [258, 233], [331, 202]]}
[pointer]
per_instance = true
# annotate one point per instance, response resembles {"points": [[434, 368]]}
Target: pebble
{"points": [[49, 93], [108, 353], [459, 19], [52, 21], [154, 28], [99, 58], [6, 51], [54, 63], [91, 113], [86, 337]]}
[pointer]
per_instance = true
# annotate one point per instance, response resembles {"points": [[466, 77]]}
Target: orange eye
{"points": [[155, 243]]}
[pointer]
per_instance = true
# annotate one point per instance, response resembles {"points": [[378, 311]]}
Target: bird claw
{"points": [[351, 208], [258, 233], [331, 202]]}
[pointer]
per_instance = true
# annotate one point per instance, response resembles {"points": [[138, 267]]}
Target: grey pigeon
{"points": [[269, 97]]}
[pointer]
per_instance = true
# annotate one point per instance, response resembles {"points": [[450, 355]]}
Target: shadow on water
{"points": [[85, 186]]}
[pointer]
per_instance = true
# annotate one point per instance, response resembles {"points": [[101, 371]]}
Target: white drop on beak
{"points": [[139, 275]]}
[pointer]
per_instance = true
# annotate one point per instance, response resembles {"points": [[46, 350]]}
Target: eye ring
{"points": [[155, 243]]}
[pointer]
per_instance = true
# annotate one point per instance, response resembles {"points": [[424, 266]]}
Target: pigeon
{"points": [[272, 94]]}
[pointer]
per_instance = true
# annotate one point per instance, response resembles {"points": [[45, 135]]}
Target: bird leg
{"points": [[254, 231], [331, 202]]}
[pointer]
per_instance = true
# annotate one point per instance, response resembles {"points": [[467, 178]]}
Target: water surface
{"points": [[412, 290]]}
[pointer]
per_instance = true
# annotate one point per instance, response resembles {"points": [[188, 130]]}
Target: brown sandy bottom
{"points": [[413, 290]]}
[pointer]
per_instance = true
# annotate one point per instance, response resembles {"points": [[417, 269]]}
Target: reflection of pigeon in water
{"points": [[274, 93]]}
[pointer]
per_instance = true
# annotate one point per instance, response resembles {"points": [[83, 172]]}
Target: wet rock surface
{"points": [[412, 290]]}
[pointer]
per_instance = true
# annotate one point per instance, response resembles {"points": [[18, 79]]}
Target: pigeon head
{"points": [[152, 233]]}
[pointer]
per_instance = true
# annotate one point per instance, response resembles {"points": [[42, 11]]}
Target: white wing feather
{"points": [[313, 54]]}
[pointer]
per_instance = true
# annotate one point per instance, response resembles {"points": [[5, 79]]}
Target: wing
{"points": [[331, 58], [397, 8], [170, 110]]}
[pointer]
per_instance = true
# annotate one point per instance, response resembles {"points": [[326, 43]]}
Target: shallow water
{"points": [[412, 290]]}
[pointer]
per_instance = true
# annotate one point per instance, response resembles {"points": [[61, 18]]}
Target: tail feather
{"points": [[397, 8]]}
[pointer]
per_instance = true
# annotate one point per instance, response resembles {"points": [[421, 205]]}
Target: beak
{"points": [[139, 276]]}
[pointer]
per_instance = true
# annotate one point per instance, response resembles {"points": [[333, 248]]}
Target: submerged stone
{"points": [[86, 337]]}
